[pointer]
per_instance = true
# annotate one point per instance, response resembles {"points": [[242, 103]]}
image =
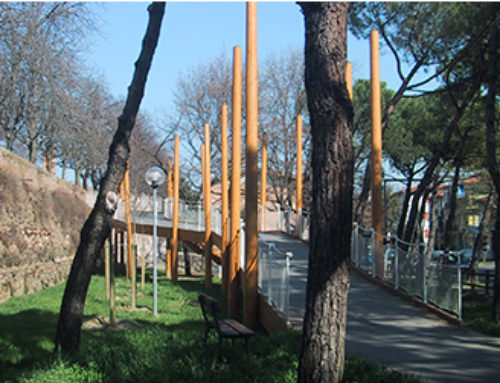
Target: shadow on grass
{"points": [[26, 337], [154, 353]]}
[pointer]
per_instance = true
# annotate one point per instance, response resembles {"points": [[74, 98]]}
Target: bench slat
{"points": [[240, 328], [228, 330]]}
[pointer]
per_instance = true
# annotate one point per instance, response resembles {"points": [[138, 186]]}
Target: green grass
{"points": [[476, 313], [168, 348]]}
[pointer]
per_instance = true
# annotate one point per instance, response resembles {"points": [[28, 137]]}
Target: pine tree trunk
{"points": [[98, 226], [322, 350]]}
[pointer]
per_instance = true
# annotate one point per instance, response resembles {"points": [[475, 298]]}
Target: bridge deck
{"points": [[386, 329]]}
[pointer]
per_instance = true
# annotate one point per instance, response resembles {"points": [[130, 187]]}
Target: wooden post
{"points": [[207, 199], [175, 223], [224, 199], [300, 166], [134, 277], [263, 183], [250, 314], [234, 252], [348, 78], [143, 267], [106, 266], [170, 194], [126, 182], [376, 152], [112, 311]]}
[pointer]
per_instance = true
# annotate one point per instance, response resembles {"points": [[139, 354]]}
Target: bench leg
{"points": [[216, 354]]}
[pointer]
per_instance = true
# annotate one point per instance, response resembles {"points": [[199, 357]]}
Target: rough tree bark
{"points": [[331, 112], [493, 168], [98, 226]]}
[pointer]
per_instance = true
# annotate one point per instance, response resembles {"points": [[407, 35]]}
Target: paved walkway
{"points": [[386, 329]]}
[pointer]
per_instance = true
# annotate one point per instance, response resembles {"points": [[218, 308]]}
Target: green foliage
{"points": [[168, 348]]}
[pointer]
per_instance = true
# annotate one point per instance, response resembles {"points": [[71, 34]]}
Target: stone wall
{"points": [[40, 221]]}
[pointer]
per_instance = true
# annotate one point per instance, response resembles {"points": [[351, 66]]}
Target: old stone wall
{"points": [[40, 221]]}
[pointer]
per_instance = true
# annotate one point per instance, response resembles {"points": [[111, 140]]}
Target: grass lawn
{"points": [[168, 348], [476, 312]]}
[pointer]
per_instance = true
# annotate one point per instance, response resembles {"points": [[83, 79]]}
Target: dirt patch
{"points": [[98, 323]]}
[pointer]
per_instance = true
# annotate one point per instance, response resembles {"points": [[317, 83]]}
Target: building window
{"points": [[473, 220]]}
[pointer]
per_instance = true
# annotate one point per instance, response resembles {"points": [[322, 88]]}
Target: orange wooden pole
{"points": [[234, 252], [170, 194], [348, 78], [263, 182], [126, 184], [208, 209], [175, 224], [224, 199], [300, 166], [376, 150], [250, 313]]}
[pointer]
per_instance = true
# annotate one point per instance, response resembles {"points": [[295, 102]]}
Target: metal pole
{"points": [[155, 255], [376, 150], [234, 251], [263, 183], [459, 293], [250, 302], [298, 171], [289, 256], [396, 264]]}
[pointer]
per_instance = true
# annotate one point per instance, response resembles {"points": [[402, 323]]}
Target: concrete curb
{"points": [[415, 301]]}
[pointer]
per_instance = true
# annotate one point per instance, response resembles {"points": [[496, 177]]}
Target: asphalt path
{"points": [[386, 329]]}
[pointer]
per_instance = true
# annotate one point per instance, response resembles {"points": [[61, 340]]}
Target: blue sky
{"points": [[195, 32]]}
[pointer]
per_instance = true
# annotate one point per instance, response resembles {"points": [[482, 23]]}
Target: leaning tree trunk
{"points": [[98, 226], [491, 153], [331, 113]]}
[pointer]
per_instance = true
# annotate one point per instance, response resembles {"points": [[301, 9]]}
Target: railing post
{"points": [[372, 252], [459, 292], [289, 256], [288, 220], [269, 273], [280, 219], [424, 275], [396, 265]]}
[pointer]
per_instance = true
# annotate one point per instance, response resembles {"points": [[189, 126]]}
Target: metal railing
{"points": [[406, 266], [274, 276]]}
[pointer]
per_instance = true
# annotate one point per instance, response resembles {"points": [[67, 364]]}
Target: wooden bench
{"points": [[225, 328]]}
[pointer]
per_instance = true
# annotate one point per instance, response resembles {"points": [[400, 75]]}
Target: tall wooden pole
{"points": [[208, 209], [170, 193], [300, 166], [348, 78], [250, 312], [263, 182], [130, 253], [175, 223], [376, 151], [234, 252], [224, 199]]}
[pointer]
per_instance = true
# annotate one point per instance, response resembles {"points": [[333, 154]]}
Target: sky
{"points": [[196, 32]]}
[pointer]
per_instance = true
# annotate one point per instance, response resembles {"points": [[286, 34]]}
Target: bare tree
{"points": [[322, 351], [38, 41], [282, 98]]}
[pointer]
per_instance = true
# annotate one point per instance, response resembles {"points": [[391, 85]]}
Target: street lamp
{"points": [[155, 176]]}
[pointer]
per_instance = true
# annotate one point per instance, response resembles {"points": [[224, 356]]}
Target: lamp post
{"points": [[155, 176]]}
